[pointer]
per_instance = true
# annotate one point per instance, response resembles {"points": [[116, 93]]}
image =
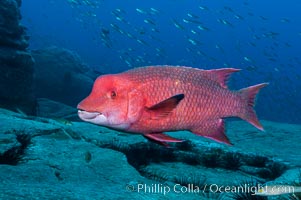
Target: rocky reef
{"points": [[54, 158], [16, 63]]}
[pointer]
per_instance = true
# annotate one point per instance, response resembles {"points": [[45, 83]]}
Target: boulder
{"points": [[60, 75]]}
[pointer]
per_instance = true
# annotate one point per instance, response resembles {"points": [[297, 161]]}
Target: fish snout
{"points": [[86, 113], [86, 104], [81, 106]]}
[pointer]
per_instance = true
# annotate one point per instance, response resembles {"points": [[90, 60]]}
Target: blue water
{"points": [[261, 37]]}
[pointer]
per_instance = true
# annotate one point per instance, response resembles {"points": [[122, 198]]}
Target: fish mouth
{"points": [[101, 119], [88, 115], [92, 117]]}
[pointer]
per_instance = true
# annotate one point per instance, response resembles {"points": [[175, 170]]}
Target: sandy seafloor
{"points": [[77, 160]]}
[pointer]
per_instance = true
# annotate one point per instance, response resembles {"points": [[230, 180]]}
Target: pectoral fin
{"points": [[165, 107], [160, 138]]}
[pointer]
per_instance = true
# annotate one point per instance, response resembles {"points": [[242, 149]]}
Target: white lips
{"points": [[93, 117], [87, 115]]}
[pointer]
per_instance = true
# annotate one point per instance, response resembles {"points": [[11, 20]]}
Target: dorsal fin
{"points": [[220, 75]]}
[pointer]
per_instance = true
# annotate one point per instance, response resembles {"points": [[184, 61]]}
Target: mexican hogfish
{"points": [[152, 100]]}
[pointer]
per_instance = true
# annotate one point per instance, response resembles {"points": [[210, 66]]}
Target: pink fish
{"points": [[156, 99]]}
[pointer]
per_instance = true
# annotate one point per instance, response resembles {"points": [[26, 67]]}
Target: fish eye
{"points": [[113, 94]]}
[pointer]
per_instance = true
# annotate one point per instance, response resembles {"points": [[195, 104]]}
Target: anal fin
{"points": [[160, 138], [213, 129]]}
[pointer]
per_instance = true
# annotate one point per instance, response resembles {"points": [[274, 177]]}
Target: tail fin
{"points": [[248, 95]]}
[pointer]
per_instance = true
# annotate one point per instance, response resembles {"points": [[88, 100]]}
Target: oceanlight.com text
{"points": [[191, 188]]}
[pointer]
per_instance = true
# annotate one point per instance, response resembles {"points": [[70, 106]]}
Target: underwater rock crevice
{"points": [[140, 155], [150, 160], [15, 154]]}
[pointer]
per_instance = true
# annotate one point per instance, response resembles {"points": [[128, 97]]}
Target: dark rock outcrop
{"points": [[16, 63], [60, 75], [55, 110]]}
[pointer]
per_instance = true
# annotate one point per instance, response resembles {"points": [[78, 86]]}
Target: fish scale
{"points": [[156, 99], [199, 103]]}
